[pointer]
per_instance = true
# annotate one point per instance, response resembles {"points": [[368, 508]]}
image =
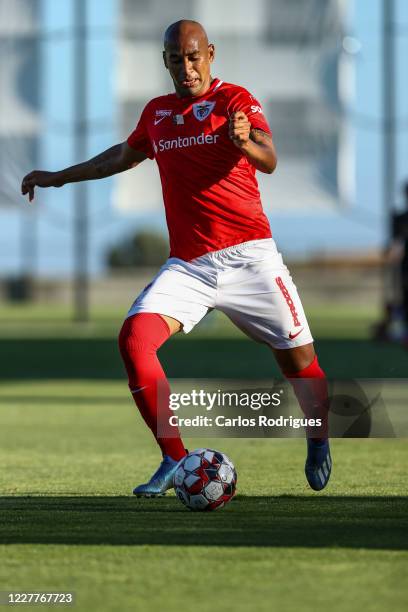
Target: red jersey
{"points": [[210, 192]]}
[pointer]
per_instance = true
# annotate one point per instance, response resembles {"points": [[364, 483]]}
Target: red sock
{"points": [[139, 339], [310, 387]]}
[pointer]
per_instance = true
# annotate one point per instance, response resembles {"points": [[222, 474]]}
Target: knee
{"points": [[142, 334], [133, 338], [294, 361], [128, 336], [140, 337], [312, 370]]}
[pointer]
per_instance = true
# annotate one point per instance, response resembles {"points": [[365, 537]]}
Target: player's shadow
{"points": [[319, 521]]}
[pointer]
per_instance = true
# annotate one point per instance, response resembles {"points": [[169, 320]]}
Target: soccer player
{"points": [[208, 139]]}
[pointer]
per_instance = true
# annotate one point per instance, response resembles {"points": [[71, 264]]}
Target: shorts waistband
{"points": [[240, 245]]}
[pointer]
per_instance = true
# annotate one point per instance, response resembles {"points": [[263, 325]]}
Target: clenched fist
{"points": [[39, 178], [239, 129]]}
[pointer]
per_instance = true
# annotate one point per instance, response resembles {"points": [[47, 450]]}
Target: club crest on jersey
{"points": [[160, 115], [202, 110]]}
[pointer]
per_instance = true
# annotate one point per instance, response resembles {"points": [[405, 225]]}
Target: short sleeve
{"points": [[244, 101], [139, 139]]}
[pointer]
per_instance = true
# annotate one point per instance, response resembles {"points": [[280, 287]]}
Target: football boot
{"points": [[318, 463], [161, 481]]}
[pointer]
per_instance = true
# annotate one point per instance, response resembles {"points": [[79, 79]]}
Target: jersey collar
{"points": [[215, 84]]}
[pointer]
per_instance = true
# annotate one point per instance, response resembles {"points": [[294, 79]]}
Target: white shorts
{"points": [[248, 282]]}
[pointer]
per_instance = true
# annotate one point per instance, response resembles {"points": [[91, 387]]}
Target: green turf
{"points": [[192, 357], [39, 320], [72, 448], [71, 451], [42, 342]]}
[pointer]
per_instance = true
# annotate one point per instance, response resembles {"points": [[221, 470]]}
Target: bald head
{"points": [[187, 55], [183, 28]]}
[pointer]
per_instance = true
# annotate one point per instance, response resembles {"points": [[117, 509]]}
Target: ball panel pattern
{"points": [[179, 477], [205, 480], [192, 462]]}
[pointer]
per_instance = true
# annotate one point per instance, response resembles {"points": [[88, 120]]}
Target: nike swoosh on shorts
{"points": [[293, 336]]}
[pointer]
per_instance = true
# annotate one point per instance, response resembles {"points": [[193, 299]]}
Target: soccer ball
{"points": [[205, 480]]}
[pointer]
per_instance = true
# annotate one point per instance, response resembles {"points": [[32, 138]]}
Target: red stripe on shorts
{"points": [[289, 301]]}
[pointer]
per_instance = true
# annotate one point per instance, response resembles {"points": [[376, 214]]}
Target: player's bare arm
{"points": [[117, 159], [256, 144]]}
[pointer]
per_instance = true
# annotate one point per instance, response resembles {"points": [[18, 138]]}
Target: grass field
{"points": [[72, 448], [216, 349]]}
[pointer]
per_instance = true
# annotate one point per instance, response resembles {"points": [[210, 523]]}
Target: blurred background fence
{"points": [[75, 75]]}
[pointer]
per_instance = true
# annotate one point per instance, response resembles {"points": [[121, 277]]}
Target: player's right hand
{"points": [[39, 178]]}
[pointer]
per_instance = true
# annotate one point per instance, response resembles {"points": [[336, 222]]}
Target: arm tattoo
{"points": [[260, 137], [103, 164]]}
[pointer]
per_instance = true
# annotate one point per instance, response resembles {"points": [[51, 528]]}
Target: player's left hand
{"points": [[239, 129]]}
